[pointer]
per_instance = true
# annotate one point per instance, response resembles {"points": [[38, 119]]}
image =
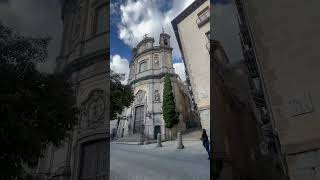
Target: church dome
{"points": [[151, 61]]}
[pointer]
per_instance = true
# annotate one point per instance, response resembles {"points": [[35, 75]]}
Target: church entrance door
{"points": [[138, 119], [94, 161], [157, 129]]}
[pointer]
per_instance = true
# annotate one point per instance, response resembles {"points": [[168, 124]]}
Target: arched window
{"points": [[143, 66], [165, 42], [156, 61]]}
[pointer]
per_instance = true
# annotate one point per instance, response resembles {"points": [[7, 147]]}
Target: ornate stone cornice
{"points": [[145, 40], [85, 61], [154, 48], [159, 76]]}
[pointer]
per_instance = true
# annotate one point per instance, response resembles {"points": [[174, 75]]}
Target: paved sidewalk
{"points": [[148, 162]]}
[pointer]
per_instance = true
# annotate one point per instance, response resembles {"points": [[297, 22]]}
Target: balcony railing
{"points": [[244, 34], [258, 98], [251, 63], [203, 19]]}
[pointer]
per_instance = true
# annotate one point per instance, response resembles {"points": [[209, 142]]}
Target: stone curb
{"points": [[127, 143]]}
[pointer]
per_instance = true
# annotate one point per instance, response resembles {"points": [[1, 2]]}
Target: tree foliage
{"points": [[36, 108], [170, 115], [121, 95]]}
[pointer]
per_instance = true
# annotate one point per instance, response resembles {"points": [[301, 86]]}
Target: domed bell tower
{"points": [[164, 39]]}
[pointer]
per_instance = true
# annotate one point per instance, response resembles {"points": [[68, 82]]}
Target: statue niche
{"points": [[156, 96]]}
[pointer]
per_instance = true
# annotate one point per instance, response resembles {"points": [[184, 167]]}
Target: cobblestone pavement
{"points": [[147, 162]]}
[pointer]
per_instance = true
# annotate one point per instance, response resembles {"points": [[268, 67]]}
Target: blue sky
{"points": [[131, 19], [117, 46]]}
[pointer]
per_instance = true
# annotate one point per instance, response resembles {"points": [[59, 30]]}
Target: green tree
{"points": [[170, 115], [36, 109], [121, 95]]}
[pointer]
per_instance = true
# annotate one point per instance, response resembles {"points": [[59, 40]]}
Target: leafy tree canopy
{"points": [[121, 95], [36, 108]]}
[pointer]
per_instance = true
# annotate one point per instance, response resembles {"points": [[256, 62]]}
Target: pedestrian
{"points": [[205, 142]]}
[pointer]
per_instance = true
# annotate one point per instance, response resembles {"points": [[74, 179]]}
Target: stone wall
{"points": [[288, 61], [84, 56]]}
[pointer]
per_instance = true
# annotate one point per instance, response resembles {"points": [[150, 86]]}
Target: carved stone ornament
{"points": [[140, 96], [93, 110], [156, 96], [149, 114]]}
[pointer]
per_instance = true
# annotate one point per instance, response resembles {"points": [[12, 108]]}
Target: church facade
{"points": [[84, 57], [148, 68]]}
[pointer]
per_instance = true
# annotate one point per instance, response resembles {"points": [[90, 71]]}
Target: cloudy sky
{"points": [[132, 19], [37, 18]]}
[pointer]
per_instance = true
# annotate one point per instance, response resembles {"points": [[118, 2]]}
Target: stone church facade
{"points": [[84, 56], [148, 68]]}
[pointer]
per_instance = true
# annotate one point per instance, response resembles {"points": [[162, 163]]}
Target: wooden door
{"points": [[94, 161], [139, 118]]}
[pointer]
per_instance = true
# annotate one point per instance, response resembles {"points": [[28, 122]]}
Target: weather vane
{"points": [[162, 30], [146, 35]]}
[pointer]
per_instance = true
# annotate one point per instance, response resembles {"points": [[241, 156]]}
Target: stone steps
{"points": [[191, 135], [131, 138]]}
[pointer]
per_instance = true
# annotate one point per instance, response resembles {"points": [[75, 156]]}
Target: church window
{"points": [[156, 61], [165, 42], [143, 66], [76, 26], [101, 20]]}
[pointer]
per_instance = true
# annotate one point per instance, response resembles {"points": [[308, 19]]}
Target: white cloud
{"points": [[141, 17], [120, 65], [180, 70]]}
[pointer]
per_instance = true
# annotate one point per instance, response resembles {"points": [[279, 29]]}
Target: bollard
{"points": [[180, 144], [141, 139], [145, 141], [159, 140]]}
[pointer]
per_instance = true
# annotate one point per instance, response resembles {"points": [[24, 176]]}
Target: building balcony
{"points": [[244, 34], [251, 63], [203, 19], [258, 98]]}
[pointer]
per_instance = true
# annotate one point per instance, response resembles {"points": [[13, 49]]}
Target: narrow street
{"points": [[134, 162]]}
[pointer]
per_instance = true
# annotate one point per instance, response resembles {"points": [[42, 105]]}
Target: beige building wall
{"points": [[286, 37], [194, 44]]}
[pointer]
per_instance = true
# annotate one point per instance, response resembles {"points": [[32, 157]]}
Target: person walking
{"points": [[205, 142]]}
